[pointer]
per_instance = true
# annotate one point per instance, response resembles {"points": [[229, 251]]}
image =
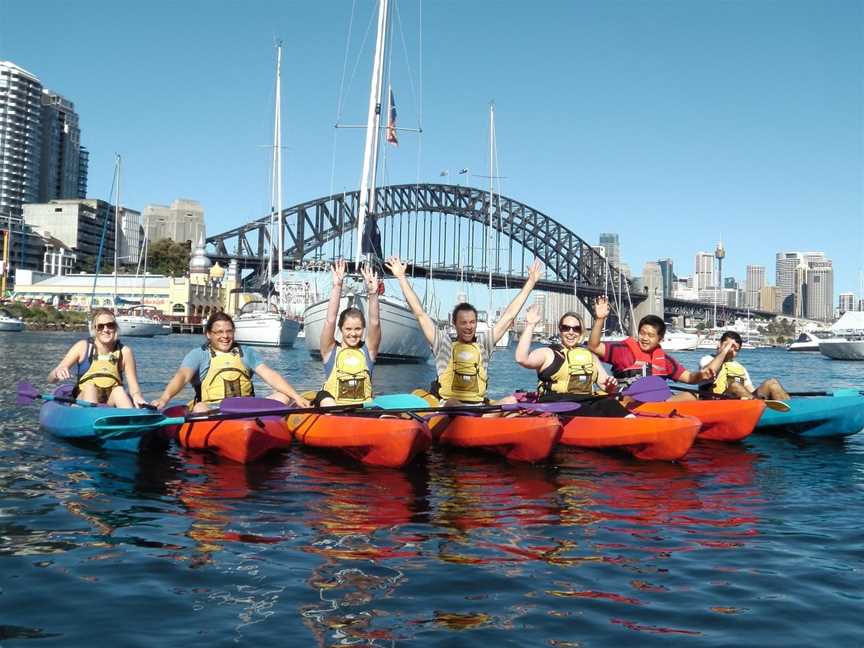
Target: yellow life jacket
{"points": [[102, 369], [228, 376], [350, 380], [730, 372], [465, 376], [573, 371]]}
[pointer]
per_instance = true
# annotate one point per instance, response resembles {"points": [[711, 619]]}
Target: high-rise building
{"points": [[83, 165], [78, 224], [753, 285], [786, 266], [730, 282], [847, 302], [20, 138], [820, 290], [768, 299], [182, 221], [613, 250], [61, 149], [703, 271], [667, 270]]}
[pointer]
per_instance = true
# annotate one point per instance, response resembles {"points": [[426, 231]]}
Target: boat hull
{"points": [[818, 417], [401, 337], [11, 325], [722, 420], [138, 326], [269, 330], [842, 349], [646, 436]]}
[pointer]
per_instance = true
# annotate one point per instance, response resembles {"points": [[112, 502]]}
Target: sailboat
{"points": [[263, 322], [139, 321], [401, 337]]}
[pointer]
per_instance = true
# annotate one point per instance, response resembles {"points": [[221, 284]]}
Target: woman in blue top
{"points": [[221, 368]]}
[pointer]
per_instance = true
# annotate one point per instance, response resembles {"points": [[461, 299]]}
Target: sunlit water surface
{"points": [[757, 543]]}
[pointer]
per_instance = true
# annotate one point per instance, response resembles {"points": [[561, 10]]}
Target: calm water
{"points": [[751, 544]]}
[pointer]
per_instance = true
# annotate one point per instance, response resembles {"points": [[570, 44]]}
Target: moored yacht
{"points": [[848, 340], [809, 341], [677, 340], [261, 323], [9, 322]]}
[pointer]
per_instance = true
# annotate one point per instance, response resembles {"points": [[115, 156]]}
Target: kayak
{"points": [[518, 438], [818, 416], [241, 440], [646, 436], [722, 420], [75, 423], [372, 440]]}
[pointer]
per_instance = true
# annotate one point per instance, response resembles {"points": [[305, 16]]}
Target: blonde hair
{"points": [[96, 313], [578, 318]]}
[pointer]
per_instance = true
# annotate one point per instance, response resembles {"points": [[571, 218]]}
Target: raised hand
{"points": [[395, 265], [370, 278], [601, 307], [339, 269], [535, 271], [532, 315]]}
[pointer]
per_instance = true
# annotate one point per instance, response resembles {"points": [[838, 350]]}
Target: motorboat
{"points": [[809, 341], [402, 340], [261, 323], [9, 322], [677, 340], [848, 340]]}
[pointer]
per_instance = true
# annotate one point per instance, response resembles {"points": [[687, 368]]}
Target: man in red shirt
{"points": [[632, 359]]}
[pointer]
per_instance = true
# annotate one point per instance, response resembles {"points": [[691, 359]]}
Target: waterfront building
{"points": [[59, 259], [61, 159], [703, 271], [668, 273], [730, 282], [753, 284], [77, 223], [768, 299], [610, 243], [20, 139], [847, 302], [820, 290], [786, 266], [131, 237], [182, 221]]}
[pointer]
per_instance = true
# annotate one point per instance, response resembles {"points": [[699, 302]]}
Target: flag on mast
{"points": [[391, 120]]}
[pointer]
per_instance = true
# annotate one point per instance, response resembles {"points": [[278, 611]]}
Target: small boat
{"points": [[241, 440], [838, 415], [261, 323], [809, 341], [850, 347], [75, 423], [722, 419], [663, 437], [676, 340], [131, 325], [371, 440], [9, 322]]}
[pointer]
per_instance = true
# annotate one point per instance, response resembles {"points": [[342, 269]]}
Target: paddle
{"points": [[27, 393], [826, 393], [648, 389], [776, 405]]}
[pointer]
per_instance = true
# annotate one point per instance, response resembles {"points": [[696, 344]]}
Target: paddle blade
{"points": [[251, 405], [549, 408], [650, 389], [27, 393], [122, 425], [777, 406]]}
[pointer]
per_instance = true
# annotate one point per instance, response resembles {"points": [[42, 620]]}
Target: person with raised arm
{"points": [[568, 371], [101, 362], [220, 368], [632, 359], [732, 378], [462, 365], [349, 365]]}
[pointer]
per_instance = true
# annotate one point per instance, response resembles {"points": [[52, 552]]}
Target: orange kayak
{"points": [[520, 438], [722, 420], [645, 437], [241, 440], [374, 441]]}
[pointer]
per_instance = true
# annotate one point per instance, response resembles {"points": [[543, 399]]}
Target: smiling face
{"points": [[466, 325], [105, 329], [649, 339], [221, 336], [352, 331], [570, 329]]}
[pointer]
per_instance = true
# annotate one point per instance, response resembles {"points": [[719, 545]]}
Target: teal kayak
{"points": [[818, 416]]}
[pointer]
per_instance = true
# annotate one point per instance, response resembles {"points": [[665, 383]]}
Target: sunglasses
{"points": [[573, 329], [110, 326]]}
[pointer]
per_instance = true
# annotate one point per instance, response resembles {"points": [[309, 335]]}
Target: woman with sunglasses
{"points": [[221, 368], [101, 362], [568, 371]]}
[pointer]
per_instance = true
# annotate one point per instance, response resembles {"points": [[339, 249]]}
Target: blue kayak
{"points": [[818, 416], [75, 423]]}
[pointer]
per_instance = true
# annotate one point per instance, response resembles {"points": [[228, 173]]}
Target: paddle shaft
{"points": [[777, 405]]}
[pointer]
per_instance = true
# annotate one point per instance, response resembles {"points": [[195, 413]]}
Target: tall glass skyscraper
{"points": [[609, 241], [20, 139]]}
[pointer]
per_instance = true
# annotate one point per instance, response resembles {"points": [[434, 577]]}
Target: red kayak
{"points": [[520, 438], [242, 440], [646, 436], [722, 420]]}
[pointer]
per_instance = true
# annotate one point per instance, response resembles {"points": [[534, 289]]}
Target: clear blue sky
{"points": [[670, 122]]}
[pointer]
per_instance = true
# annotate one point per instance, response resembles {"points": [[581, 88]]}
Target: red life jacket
{"points": [[644, 364]]}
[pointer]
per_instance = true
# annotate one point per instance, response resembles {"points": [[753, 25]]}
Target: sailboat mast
{"points": [[370, 152], [116, 233], [278, 157], [491, 194]]}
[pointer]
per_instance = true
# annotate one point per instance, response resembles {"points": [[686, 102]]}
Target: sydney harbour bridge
{"points": [[449, 232]]}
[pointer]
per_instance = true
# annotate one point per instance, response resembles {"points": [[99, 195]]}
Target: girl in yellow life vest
{"points": [[222, 369], [732, 380], [101, 363], [568, 371], [348, 365]]}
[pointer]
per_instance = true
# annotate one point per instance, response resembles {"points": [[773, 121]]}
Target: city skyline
{"points": [[719, 132]]}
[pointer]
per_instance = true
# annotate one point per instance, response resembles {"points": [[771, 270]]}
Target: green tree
{"points": [[169, 257]]}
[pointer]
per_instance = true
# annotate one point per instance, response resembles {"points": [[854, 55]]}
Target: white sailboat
{"points": [[401, 337], [9, 322], [139, 321], [262, 322]]}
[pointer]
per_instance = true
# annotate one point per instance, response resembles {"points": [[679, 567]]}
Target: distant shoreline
{"points": [[52, 326]]}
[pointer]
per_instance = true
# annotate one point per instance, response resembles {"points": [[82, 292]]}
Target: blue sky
{"points": [[673, 123]]}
